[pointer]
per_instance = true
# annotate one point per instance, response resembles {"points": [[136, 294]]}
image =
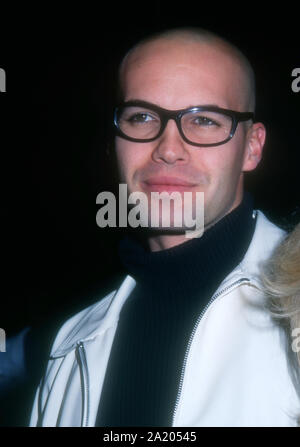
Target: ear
{"points": [[255, 140]]}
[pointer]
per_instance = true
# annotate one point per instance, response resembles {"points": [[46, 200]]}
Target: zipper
{"points": [[85, 384], [214, 297]]}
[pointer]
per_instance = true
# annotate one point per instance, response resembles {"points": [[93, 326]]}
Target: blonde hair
{"points": [[281, 279]]}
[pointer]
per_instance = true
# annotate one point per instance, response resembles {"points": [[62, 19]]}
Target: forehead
{"points": [[177, 74]]}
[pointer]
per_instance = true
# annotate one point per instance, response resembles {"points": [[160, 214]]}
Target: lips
{"points": [[168, 184]]}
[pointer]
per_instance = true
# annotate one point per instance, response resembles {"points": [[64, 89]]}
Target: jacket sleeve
{"points": [[46, 403], [34, 418]]}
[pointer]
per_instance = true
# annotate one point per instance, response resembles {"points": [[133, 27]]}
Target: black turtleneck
{"points": [[156, 321]]}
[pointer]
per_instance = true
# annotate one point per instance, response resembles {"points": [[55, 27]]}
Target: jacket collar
{"points": [[102, 315], [94, 320]]}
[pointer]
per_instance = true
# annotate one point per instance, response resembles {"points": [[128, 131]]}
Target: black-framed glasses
{"points": [[203, 126]]}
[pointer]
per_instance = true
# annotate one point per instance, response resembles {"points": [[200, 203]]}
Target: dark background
{"points": [[54, 125], [55, 114]]}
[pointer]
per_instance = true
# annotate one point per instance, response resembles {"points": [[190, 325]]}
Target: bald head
{"points": [[205, 46]]}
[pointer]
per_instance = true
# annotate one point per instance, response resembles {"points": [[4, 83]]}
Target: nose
{"points": [[170, 147]]}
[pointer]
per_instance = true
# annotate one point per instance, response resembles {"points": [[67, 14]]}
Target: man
{"points": [[185, 340]]}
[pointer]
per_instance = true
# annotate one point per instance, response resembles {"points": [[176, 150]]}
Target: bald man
{"points": [[185, 340]]}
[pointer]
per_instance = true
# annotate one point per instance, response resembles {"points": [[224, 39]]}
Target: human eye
{"points": [[139, 117], [204, 121]]}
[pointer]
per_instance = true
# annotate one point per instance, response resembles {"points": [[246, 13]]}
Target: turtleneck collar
{"points": [[173, 287], [217, 251]]}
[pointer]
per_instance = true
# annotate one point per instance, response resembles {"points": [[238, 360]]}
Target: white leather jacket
{"points": [[235, 369]]}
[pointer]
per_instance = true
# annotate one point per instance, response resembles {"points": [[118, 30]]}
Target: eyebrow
{"points": [[188, 107]]}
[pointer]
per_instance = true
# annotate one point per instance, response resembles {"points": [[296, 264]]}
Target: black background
{"points": [[55, 113]]}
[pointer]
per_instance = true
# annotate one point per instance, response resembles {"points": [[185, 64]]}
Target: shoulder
{"points": [[80, 325], [92, 320]]}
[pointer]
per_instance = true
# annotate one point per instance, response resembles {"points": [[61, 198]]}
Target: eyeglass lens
{"points": [[203, 127]]}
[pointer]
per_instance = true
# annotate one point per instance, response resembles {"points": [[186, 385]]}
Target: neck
{"points": [[162, 241]]}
